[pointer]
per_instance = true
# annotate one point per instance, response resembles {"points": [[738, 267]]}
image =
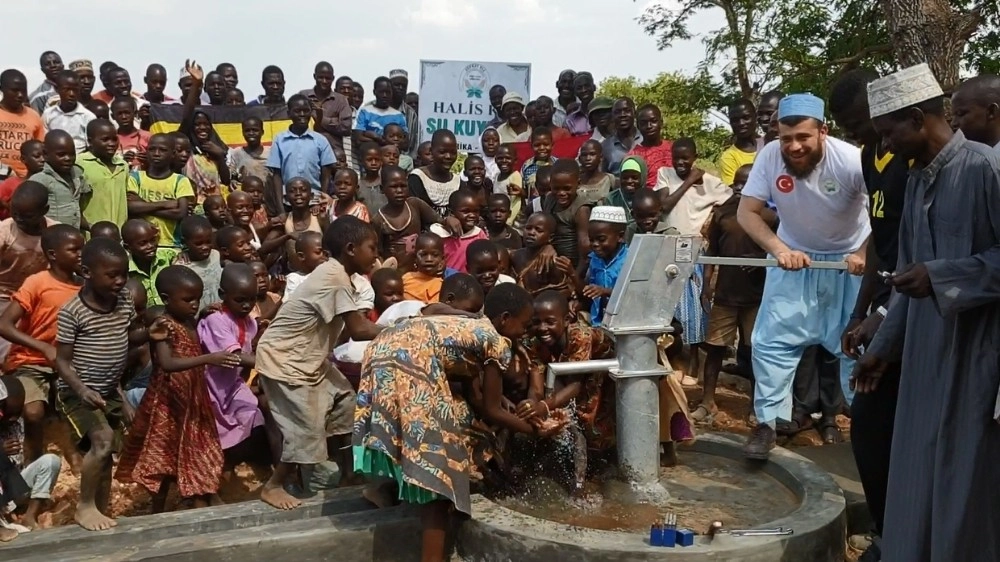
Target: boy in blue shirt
{"points": [[300, 152], [373, 117], [607, 240]]}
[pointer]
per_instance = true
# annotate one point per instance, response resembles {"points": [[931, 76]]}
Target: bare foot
{"points": [[7, 535], [93, 520], [279, 498], [379, 494], [29, 522]]}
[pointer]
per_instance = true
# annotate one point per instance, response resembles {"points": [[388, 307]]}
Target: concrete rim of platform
{"points": [[496, 533]]}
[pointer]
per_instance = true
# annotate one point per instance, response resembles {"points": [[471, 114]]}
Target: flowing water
{"points": [[703, 488]]}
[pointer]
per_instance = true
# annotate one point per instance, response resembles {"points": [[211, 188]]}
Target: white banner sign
{"points": [[455, 95]]}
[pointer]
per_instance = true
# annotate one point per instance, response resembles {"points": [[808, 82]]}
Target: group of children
{"points": [[182, 330]]}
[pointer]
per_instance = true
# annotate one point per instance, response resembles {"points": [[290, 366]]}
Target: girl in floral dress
{"points": [[411, 428], [173, 437]]}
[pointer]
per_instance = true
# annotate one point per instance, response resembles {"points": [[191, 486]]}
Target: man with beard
{"points": [[399, 79], [943, 322], [817, 186], [566, 101]]}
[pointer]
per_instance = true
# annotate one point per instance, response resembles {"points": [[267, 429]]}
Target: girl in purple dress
{"points": [[239, 416]]}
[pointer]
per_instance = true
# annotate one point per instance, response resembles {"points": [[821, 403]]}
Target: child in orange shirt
{"points": [[29, 323], [424, 284]]}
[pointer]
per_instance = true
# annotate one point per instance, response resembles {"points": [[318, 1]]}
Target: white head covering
{"points": [[903, 89], [607, 213]]}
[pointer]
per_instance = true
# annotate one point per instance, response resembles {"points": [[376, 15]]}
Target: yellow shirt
{"points": [[174, 186], [731, 160]]}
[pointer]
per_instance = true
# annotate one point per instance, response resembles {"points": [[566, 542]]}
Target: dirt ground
{"points": [[244, 484]]}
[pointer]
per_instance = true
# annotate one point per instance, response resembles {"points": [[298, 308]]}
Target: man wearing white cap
{"points": [[943, 326], [515, 127], [817, 185]]}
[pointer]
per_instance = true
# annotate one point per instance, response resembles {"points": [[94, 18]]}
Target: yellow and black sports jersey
{"points": [[885, 178]]}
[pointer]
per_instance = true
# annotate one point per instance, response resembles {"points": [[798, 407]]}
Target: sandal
{"points": [[702, 415], [793, 427], [830, 433]]}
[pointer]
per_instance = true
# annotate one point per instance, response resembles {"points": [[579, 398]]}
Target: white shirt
{"points": [[73, 122], [366, 293], [292, 282], [824, 213], [695, 207]]}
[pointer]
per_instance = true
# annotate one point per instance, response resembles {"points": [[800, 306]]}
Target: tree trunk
{"points": [[930, 31]]}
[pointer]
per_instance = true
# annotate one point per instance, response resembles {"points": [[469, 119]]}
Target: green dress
{"points": [[408, 425]]}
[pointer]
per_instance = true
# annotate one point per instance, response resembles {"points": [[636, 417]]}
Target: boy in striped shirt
{"points": [[92, 342]]}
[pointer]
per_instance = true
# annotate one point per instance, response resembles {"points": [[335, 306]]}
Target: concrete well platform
{"points": [[498, 534]]}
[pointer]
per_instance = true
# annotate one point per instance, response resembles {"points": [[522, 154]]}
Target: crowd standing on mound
{"points": [[343, 294]]}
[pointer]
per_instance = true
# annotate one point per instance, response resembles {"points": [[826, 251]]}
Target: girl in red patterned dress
{"points": [[173, 437]]}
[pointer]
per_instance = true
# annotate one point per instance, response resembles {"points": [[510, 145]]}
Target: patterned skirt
{"points": [[689, 310], [174, 434]]}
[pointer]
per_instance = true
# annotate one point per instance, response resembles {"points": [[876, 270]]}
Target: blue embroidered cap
{"points": [[802, 105]]}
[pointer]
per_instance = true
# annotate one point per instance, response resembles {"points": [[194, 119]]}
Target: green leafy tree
{"points": [[803, 45], [685, 102]]}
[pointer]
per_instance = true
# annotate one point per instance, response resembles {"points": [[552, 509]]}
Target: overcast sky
{"points": [[362, 39]]}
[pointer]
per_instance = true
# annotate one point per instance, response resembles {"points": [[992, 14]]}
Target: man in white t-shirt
{"points": [[816, 184]]}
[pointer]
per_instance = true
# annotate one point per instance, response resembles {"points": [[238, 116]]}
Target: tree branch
{"points": [[844, 62]]}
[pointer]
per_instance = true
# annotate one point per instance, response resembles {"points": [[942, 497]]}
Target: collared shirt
{"points": [[163, 259], [337, 112], [508, 134], [578, 123], [259, 100], [301, 156], [559, 117], [39, 99], [64, 196], [604, 274], [530, 169], [615, 151], [107, 201], [73, 122]]}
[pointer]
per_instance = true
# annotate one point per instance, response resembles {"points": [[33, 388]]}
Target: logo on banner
{"points": [[785, 183], [475, 80]]}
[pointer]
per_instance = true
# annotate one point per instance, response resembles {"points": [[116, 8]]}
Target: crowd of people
{"points": [[347, 293]]}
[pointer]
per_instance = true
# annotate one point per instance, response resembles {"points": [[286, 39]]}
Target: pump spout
{"points": [[576, 368]]}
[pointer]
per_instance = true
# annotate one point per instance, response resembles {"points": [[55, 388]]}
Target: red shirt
{"points": [[7, 188], [656, 157]]}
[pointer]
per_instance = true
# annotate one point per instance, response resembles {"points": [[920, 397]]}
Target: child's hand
{"points": [[223, 359], [453, 225], [214, 150], [12, 447], [49, 351], [595, 291], [528, 409], [706, 299], [128, 411], [565, 266], [546, 259], [143, 112], [93, 399], [192, 68], [159, 330]]}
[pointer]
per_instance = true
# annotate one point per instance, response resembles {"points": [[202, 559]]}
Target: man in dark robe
{"points": [[943, 326]]}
